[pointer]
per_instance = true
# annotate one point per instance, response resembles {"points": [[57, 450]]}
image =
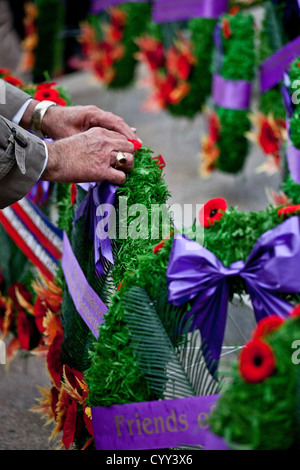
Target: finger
{"points": [[100, 132], [117, 177], [128, 166], [123, 146], [116, 123]]}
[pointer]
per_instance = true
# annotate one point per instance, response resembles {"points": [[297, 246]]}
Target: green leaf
{"points": [[169, 356]]}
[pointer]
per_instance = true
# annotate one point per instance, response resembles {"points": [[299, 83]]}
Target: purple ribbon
{"points": [[98, 194], [272, 70], [177, 10], [293, 161], [89, 306], [100, 5], [158, 424], [272, 268], [231, 94]]}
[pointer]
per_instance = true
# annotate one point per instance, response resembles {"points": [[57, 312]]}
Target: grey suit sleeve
{"points": [[11, 99], [22, 159]]}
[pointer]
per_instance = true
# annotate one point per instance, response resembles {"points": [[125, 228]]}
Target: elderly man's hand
{"points": [[60, 122], [88, 156]]}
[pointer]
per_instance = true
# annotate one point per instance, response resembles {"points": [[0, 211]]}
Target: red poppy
{"points": [[257, 361], [295, 312], [212, 211], [73, 193], [268, 139], [227, 33], [60, 102], [137, 144], [289, 210], [13, 80], [46, 94], [267, 325], [4, 71], [42, 86]]}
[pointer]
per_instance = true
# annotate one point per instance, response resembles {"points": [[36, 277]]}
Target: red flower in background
{"points": [[227, 33], [44, 85], [268, 138], [50, 94], [257, 361], [212, 211], [267, 325], [151, 51], [4, 71], [214, 127], [13, 80]]}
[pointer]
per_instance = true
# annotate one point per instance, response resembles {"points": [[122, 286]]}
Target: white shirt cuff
{"points": [[18, 116], [46, 159]]}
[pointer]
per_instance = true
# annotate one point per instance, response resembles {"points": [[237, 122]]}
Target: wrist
{"points": [[25, 121], [38, 115], [52, 168]]}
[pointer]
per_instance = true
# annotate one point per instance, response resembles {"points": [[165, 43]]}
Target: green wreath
{"points": [[226, 147]]}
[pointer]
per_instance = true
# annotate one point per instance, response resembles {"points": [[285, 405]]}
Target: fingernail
{"points": [[133, 129]]}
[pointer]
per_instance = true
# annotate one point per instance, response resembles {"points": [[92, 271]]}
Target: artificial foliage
{"points": [[178, 60], [226, 147], [271, 39], [200, 32], [263, 415], [49, 48], [108, 43]]}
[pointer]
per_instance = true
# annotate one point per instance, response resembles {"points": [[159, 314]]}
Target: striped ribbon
{"points": [[34, 234]]}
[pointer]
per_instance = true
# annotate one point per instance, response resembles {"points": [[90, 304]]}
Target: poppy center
{"points": [[257, 361], [213, 212]]}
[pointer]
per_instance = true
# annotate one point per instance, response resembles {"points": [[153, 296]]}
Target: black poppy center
{"points": [[213, 212], [257, 361]]}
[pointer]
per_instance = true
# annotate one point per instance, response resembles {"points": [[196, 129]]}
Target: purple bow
{"points": [[272, 268], [98, 194]]}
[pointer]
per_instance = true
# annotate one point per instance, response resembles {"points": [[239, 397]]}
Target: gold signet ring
{"points": [[121, 159]]}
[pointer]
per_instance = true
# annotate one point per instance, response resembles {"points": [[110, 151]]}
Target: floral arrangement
{"points": [[86, 372], [270, 135], [180, 74], [226, 147], [39, 91], [263, 393], [49, 48], [25, 310], [108, 46], [31, 37]]}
